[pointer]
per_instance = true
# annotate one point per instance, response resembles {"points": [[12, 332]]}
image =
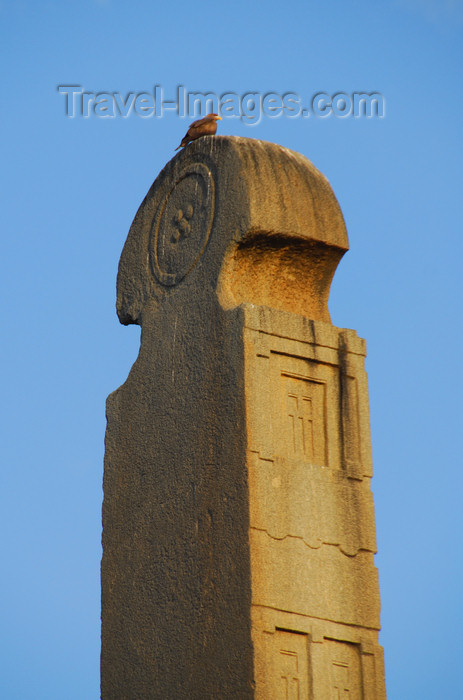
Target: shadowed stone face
{"points": [[238, 523]]}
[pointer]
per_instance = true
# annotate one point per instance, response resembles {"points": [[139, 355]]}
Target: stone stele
{"points": [[238, 520]]}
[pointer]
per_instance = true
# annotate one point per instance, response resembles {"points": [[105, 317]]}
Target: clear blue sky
{"points": [[70, 190]]}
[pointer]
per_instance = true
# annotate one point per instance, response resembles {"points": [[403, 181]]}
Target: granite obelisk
{"points": [[238, 520]]}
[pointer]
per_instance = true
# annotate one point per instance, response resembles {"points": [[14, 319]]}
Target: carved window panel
{"points": [[305, 416], [305, 410], [344, 670], [291, 665]]}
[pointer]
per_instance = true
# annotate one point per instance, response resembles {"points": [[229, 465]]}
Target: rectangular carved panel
{"points": [[351, 426], [344, 670], [304, 414], [291, 665], [305, 406]]}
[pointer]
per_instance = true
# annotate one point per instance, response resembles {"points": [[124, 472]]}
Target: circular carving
{"points": [[182, 225]]}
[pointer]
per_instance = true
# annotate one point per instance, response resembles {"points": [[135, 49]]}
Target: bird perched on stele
{"points": [[207, 126]]}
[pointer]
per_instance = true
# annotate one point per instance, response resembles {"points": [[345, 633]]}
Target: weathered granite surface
{"points": [[238, 521]]}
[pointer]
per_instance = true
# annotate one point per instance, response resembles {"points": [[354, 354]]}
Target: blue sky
{"points": [[70, 190]]}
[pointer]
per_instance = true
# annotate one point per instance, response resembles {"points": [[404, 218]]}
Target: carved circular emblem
{"points": [[182, 225]]}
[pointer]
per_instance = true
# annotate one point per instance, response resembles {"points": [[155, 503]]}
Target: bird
{"points": [[207, 126]]}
